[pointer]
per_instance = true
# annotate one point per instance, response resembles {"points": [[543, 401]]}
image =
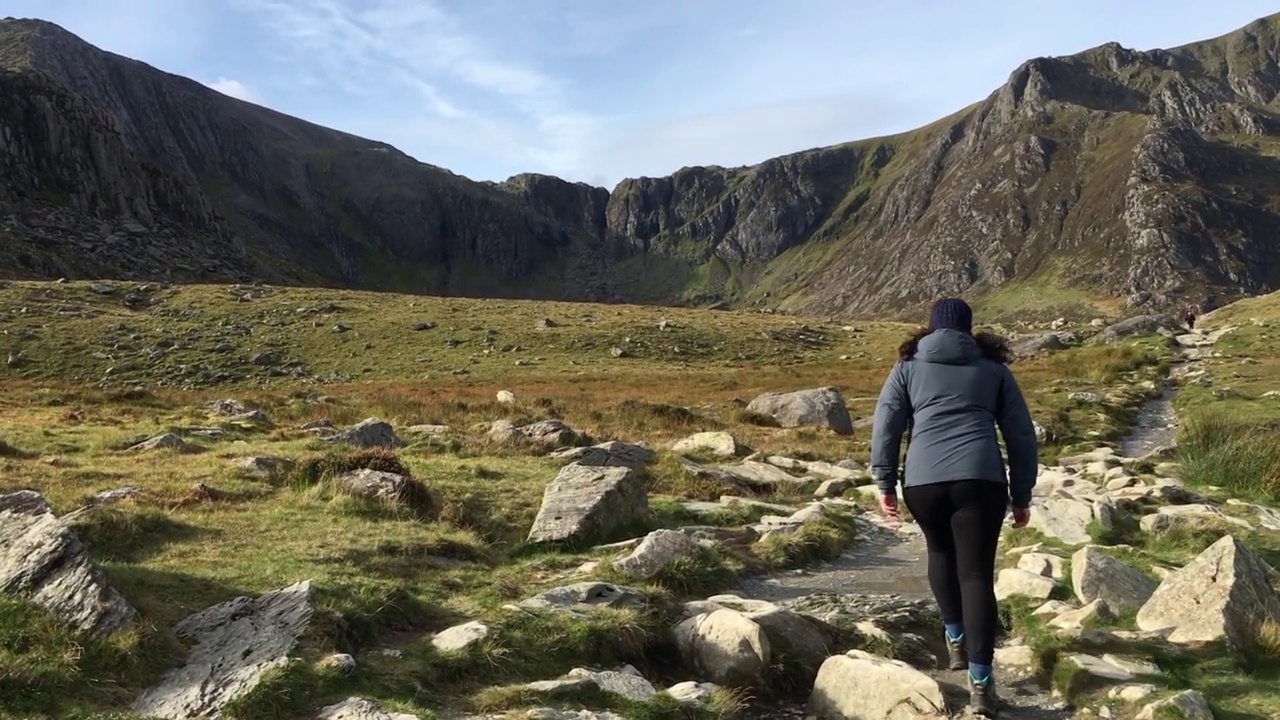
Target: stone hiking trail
{"points": [[888, 567]]}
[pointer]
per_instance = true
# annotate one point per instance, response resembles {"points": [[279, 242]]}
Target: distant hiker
{"points": [[954, 388], [1189, 316]]}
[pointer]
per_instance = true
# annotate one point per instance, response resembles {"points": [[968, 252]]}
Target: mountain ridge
{"points": [[1111, 172]]}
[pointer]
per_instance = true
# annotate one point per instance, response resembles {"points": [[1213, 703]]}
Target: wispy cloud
{"points": [[235, 89], [456, 79]]}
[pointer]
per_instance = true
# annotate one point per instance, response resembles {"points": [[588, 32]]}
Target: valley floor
{"points": [[266, 503]]}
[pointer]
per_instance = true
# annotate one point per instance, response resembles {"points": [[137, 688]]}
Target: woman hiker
{"points": [[954, 389]]}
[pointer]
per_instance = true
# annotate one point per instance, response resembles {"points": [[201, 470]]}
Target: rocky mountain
{"points": [[1148, 176]]}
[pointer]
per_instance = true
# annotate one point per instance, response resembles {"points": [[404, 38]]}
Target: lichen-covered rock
{"points": [[43, 560], [820, 407], [166, 441], [1186, 705], [459, 637], [234, 644], [588, 504]]}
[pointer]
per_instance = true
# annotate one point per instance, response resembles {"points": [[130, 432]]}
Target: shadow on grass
{"points": [[129, 535]]}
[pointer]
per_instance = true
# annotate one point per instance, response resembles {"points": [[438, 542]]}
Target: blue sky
{"points": [[599, 90]]}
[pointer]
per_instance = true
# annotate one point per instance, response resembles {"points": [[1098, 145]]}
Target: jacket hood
{"points": [[952, 347]]}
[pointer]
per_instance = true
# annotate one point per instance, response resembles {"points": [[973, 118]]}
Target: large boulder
{"points": [[1098, 576], [725, 647], [235, 643], [801, 639], [587, 504], [821, 407], [862, 686], [43, 560], [1225, 593]]}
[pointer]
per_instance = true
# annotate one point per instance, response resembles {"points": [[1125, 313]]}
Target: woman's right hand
{"points": [[1021, 516]]}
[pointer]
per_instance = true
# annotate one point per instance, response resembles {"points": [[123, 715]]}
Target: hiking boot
{"points": [[982, 697], [957, 656]]}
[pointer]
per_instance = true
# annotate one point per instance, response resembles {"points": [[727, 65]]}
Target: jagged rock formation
{"points": [[1144, 175]]}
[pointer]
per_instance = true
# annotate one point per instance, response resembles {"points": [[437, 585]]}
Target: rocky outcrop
{"points": [[234, 644], [43, 560], [1112, 170]]}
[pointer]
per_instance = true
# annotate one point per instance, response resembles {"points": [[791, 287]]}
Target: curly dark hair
{"points": [[993, 346]]}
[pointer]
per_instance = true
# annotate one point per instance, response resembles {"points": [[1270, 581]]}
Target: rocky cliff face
{"points": [[1142, 175]]}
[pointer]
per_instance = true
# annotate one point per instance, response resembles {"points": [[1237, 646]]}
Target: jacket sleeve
{"points": [[1019, 433], [893, 411]]}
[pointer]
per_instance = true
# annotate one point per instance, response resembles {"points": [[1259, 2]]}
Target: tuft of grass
{"points": [[723, 704], [9, 451], [824, 539], [1215, 448], [43, 664], [315, 470]]}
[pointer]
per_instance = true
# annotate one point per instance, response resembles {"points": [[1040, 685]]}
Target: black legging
{"points": [[961, 522]]}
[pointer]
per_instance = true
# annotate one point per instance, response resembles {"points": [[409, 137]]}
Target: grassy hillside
{"points": [[91, 372]]}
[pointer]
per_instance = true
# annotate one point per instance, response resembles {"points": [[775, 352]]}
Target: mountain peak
{"points": [[1141, 174]]}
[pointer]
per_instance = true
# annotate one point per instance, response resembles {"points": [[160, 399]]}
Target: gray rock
{"points": [[585, 596], [368, 433], [1012, 582], [234, 644], [1098, 576], [1112, 667], [589, 504], [627, 682], [1063, 518], [714, 444], [459, 637], [832, 488], [1077, 618], [373, 485], [658, 550], [263, 466], [167, 441], [693, 693], [609, 454], [341, 663], [860, 686], [504, 432], [550, 434], [821, 407], [1193, 516], [805, 641], [1186, 705], [43, 560], [726, 647], [1225, 593], [358, 708]]}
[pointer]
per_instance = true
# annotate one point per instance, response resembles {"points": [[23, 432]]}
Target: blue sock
{"points": [[979, 673], [955, 632]]}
